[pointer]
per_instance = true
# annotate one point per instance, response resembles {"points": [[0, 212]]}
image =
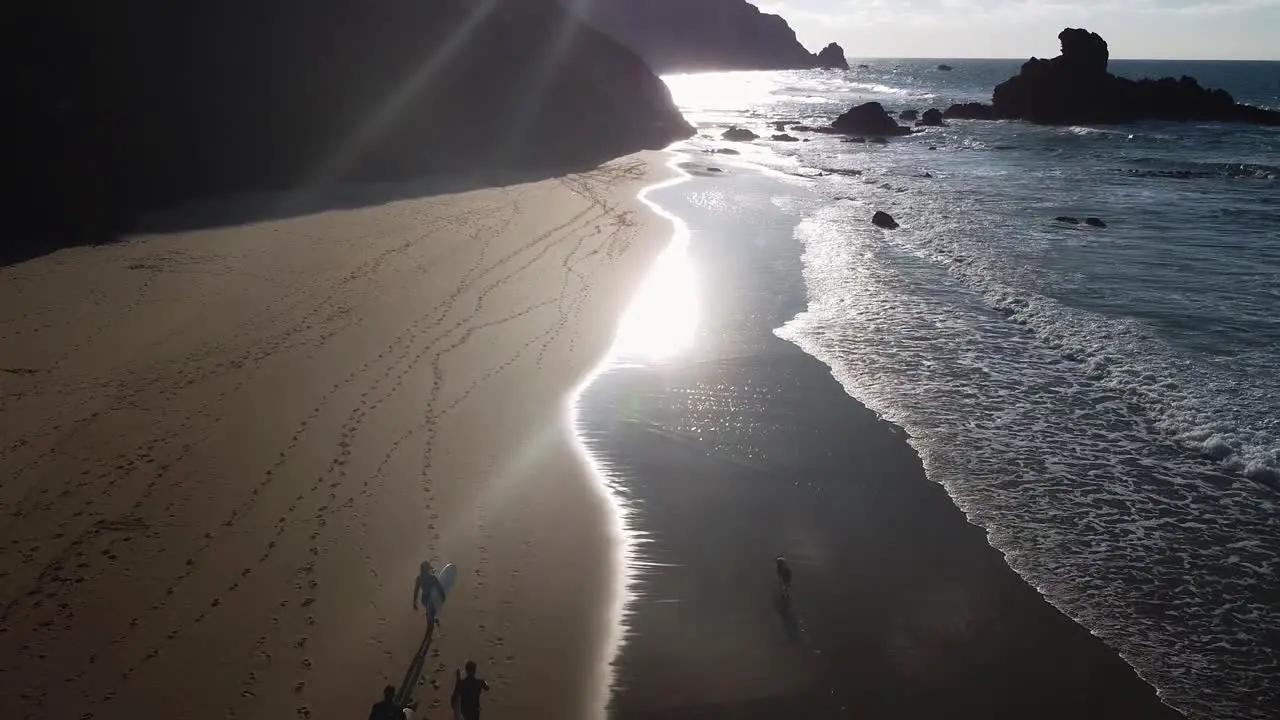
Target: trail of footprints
{"points": [[339, 460], [255, 492], [152, 379], [307, 584]]}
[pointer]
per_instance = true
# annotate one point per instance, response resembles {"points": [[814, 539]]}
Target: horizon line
{"points": [[851, 58]]}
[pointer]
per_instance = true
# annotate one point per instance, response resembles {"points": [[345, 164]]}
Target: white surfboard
{"points": [[447, 576]]}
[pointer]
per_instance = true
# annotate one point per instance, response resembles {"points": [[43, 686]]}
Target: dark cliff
{"points": [[132, 106], [1075, 87], [697, 35]]}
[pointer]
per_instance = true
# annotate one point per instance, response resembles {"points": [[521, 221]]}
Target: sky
{"points": [[1155, 29]]}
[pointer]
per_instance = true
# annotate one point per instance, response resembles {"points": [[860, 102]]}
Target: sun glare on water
{"points": [[709, 94]]}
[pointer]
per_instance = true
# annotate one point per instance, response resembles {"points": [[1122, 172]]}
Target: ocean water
{"points": [[1105, 402]]}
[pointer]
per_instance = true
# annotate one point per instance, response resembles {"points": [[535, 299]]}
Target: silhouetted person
{"points": [[466, 692], [386, 708], [784, 575], [426, 582]]}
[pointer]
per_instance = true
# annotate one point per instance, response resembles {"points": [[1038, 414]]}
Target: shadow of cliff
{"points": [[253, 207], [124, 110]]}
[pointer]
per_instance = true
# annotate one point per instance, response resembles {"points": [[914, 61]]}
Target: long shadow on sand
{"points": [[413, 675]]}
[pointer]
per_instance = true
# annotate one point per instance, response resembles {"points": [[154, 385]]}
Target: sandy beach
{"points": [[226, 451]]}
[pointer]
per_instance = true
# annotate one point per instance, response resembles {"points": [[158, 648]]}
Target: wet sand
{"points": [[226, 451], [742, 447]]}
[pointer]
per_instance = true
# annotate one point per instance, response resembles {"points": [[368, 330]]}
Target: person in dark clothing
{"points": [[784, 575], [386, 709], [426, 582], [466, 692]]}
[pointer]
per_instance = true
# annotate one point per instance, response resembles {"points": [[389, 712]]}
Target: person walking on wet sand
{"points": [[466, 692], [784, 575], [426, 582]]}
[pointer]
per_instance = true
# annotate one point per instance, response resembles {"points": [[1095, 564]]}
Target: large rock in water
{"points": [[869, 119], [971, 111], [932, 117], [1075, 88], [700, 35], [737, 134], [882, 219], [832, 58], [121, 108]]}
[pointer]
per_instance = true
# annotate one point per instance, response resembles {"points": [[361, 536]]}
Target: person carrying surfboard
{"points": [[426, 582], [784, 575]]}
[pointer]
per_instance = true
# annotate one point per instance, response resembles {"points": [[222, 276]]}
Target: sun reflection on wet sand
{"points": [[661, 319], [660, 323]]}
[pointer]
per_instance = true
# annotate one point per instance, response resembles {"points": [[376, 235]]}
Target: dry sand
{"points": [[226, 451]]}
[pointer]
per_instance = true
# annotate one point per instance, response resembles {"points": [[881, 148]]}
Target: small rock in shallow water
{"points": [[785, 138], [884, 220], [1096, 222], [1067, 219], [739, 135]]}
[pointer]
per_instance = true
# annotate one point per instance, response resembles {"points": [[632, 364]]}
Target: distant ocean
{"points": [[1105, 402]]}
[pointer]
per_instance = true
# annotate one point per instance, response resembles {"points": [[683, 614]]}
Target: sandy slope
{"points": [[226, 451]]}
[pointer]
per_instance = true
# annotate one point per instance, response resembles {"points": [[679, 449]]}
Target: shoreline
{"points": [[621, 535], [238, 443], [734, 451]]}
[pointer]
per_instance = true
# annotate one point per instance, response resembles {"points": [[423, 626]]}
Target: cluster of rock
{"points": [[1091, 221], [1075, 88], [868, 122], [872, 120], [117, 109], [701, 35]]}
